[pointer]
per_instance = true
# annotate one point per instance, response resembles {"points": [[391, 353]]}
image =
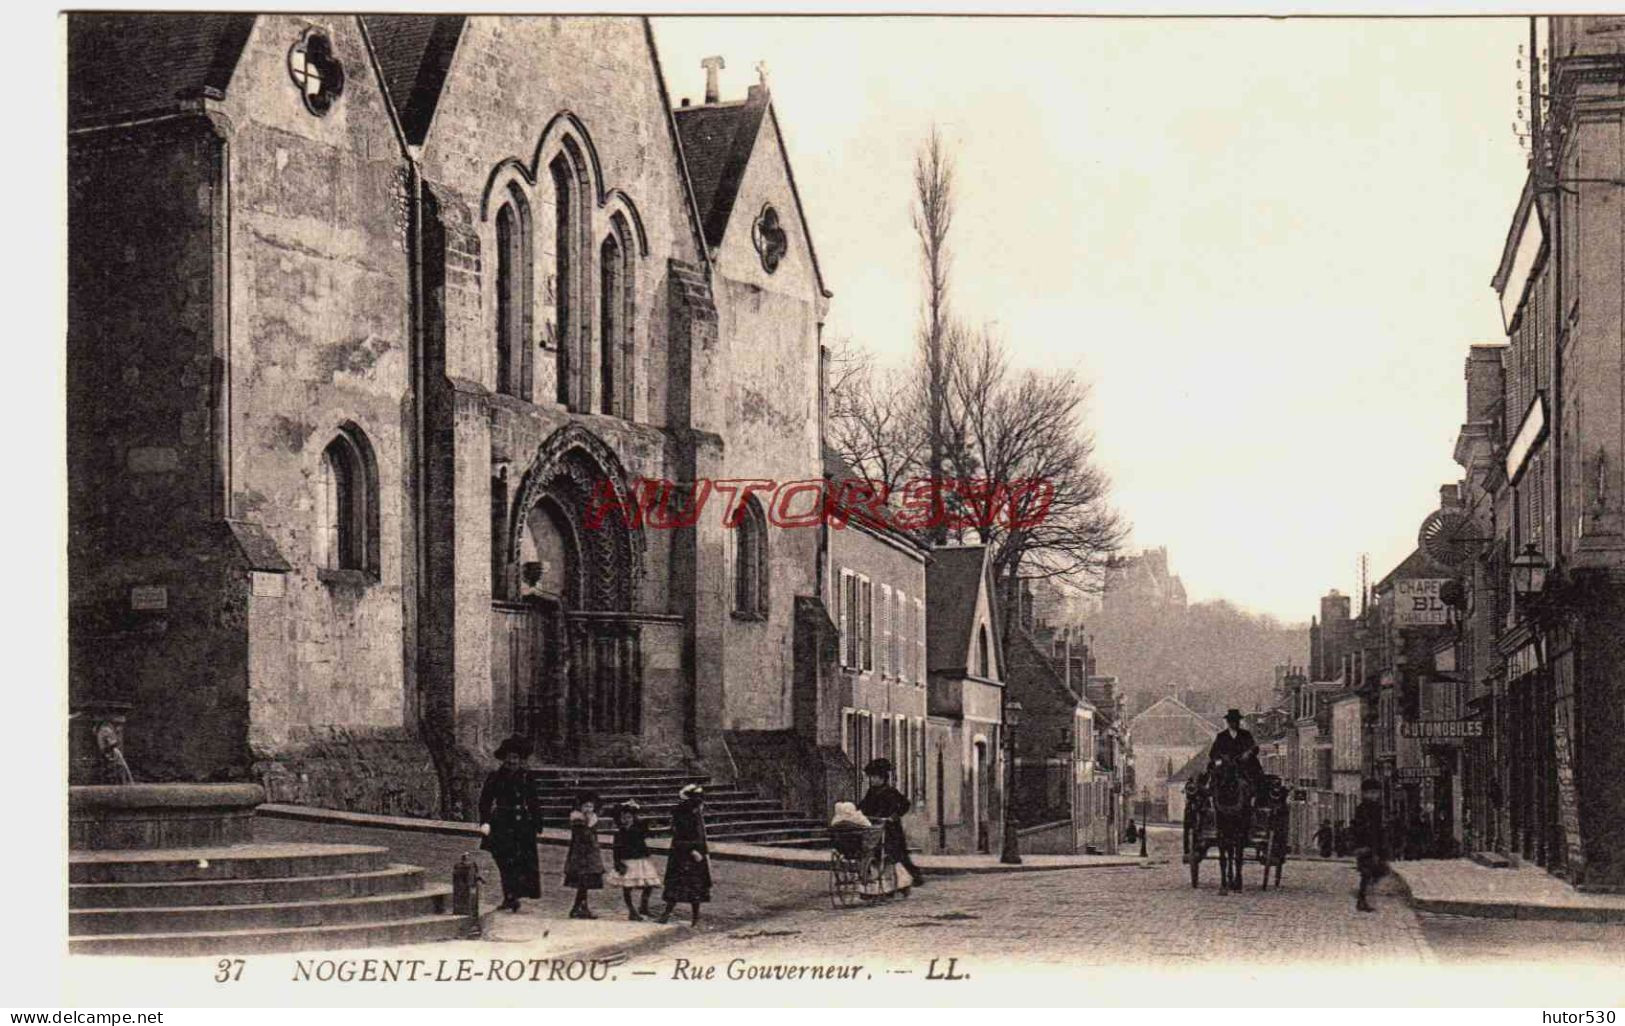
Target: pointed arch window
{"points": [[616, 319], [571, 261], [513, 296], [348, 505], [750, 577]]}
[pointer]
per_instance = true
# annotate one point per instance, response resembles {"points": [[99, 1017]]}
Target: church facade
{"points": [[379, 329]]}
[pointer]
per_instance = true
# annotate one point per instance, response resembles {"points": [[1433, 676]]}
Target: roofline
{"points": [[383, 87], [795, 193], [1514, 232], [677, 144]]}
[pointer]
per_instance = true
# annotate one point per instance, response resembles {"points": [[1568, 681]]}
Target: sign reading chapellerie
{"points": [[1440, 730], [1417, 603]]}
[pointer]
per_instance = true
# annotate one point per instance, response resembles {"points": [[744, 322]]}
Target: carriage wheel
{"points": [[869, 868], [843, 883]]}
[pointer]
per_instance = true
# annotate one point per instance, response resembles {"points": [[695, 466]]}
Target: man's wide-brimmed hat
{"points": [[691, 791], [583, 797], [878, 768], [1233, 716], [516, 745]]}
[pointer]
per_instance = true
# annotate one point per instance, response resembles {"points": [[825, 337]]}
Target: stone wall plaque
{"points": [[149, 597]]}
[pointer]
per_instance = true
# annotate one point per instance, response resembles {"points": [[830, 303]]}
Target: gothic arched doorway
{"points": [[567, 580]]}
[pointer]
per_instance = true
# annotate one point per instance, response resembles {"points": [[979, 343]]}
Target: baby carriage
{"points": [[859, 868]]}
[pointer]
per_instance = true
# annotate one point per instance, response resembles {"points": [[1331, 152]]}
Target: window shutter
{"points": [[919, 618], [885, 630], [841, 604], [866, 626]]}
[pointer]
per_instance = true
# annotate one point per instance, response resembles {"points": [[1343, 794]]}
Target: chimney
{"points": [[685, 101], [1449, 496], [712, 65]]}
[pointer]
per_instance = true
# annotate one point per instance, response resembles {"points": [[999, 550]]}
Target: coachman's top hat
{"points": [[878, 768], [1233, 716], [516, 745]]}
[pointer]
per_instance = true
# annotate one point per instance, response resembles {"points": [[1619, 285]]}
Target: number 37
{"points": [[228, 970]]}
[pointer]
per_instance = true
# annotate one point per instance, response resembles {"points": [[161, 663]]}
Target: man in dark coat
{"points": [[688, 865], [509, 820], [1236, 743], [883, 801], [1370, 840]]}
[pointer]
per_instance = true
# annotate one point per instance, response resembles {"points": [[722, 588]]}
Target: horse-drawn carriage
{"points": [[1225, 813]]}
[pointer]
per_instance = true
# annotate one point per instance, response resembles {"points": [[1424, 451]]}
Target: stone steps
{"points": [[177, 893], [375, 908], [250, 898], [415, 930], [245, 862], [732, 813]]}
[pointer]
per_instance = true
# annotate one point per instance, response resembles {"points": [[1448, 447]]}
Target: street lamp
{"points": [[1145, 818], [1529, 571], [1011, 856]]}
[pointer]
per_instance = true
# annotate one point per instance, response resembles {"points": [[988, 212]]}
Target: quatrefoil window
{"points": [[316, 71], [771, 242]]}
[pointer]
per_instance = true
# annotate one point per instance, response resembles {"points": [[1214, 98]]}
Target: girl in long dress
{"points": [[688, 867]]}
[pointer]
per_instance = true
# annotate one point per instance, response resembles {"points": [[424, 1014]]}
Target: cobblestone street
{"points": [[1146, 917]]}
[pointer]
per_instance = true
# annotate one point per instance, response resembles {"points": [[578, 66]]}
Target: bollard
{"points": [[465, 891]]}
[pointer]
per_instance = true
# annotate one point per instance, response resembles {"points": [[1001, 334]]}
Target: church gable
{"points": [[746, 191]]}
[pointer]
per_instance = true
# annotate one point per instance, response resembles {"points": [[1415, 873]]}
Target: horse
{"points": [[1232, 812]]}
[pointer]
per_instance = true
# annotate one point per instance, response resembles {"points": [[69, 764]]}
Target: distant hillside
{"points": [[1216, 654]]}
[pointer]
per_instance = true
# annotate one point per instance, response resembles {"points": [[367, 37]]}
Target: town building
{"points": [[398, 312], [965, 741], [1063, 791], [1553, 571], [1165, 737]]}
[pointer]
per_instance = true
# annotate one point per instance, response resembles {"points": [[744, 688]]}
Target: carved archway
{"points": [[572, 469]]}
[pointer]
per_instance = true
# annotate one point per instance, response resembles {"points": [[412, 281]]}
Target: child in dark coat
{"points": [[634, 869], [1370, 842], [583, 865]]}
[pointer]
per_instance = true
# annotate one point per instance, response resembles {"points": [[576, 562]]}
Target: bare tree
{"points": [[1046, 512], [874, 420], [933, 215]]}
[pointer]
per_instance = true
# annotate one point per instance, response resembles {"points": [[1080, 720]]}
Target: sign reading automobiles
{"points": [[1417, 603], [1441, 730]]}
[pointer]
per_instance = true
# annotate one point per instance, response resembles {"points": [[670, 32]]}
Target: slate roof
{"points": [[717, 142], [414, 53], [837, 469], [952, 582], [1170, 723], [123, 65]]}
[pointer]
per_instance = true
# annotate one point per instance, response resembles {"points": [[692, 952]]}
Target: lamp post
{"points": [[1011, 855], [1145, 818]]}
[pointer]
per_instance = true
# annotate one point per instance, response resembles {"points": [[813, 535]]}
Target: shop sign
{"points": [[1442, 730], [1420, 772], [1417, 603]]}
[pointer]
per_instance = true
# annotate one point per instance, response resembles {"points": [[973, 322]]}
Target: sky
{"points": [[1265, 244]]}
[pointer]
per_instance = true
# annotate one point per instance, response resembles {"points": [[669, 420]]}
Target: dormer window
{"points": [[316, 72]]}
